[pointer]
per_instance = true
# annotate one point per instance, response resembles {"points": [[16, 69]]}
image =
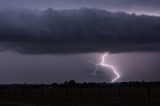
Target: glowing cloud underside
{"points": [[103, 64]]}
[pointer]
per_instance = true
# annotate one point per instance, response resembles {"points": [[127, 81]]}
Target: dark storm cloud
{"points": [[77, 31], [141, 6]]}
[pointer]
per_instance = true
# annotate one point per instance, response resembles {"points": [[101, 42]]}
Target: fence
{"points": [[115, 92]]}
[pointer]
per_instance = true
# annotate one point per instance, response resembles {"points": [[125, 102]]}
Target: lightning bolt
{"points": [[102, 64]]}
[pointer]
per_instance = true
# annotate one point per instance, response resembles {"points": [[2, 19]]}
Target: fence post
{"points": [[42, 91], [22, 91], [119, 93], [52, 91], [80, 91], [99, 92], [66, 91], [14, 92], [31, 92], [8, 92], [149, 93]]}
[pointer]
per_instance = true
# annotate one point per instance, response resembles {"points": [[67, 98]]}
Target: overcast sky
{"points": [[41, 45]]}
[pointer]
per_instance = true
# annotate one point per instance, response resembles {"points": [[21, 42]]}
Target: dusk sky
{"points": [[45, 41]]}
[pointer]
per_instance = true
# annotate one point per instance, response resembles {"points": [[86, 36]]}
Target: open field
{"points": [[109, 96]]}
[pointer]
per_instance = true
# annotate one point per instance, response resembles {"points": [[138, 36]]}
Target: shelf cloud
{"points": [[137, 6], [82, 30]]}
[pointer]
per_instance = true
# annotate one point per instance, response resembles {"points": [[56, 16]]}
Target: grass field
{"points": [[124, 96]]}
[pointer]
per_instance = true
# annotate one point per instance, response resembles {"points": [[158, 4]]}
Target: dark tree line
{"points": [[73, 83]]}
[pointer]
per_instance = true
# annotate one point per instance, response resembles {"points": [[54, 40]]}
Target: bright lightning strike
{"points": [[102, 64]]}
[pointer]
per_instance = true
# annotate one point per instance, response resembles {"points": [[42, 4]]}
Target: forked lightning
{"points": [[103, 64]]}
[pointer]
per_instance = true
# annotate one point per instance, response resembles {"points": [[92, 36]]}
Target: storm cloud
{"points": [[77, 31], [137, 6]]}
